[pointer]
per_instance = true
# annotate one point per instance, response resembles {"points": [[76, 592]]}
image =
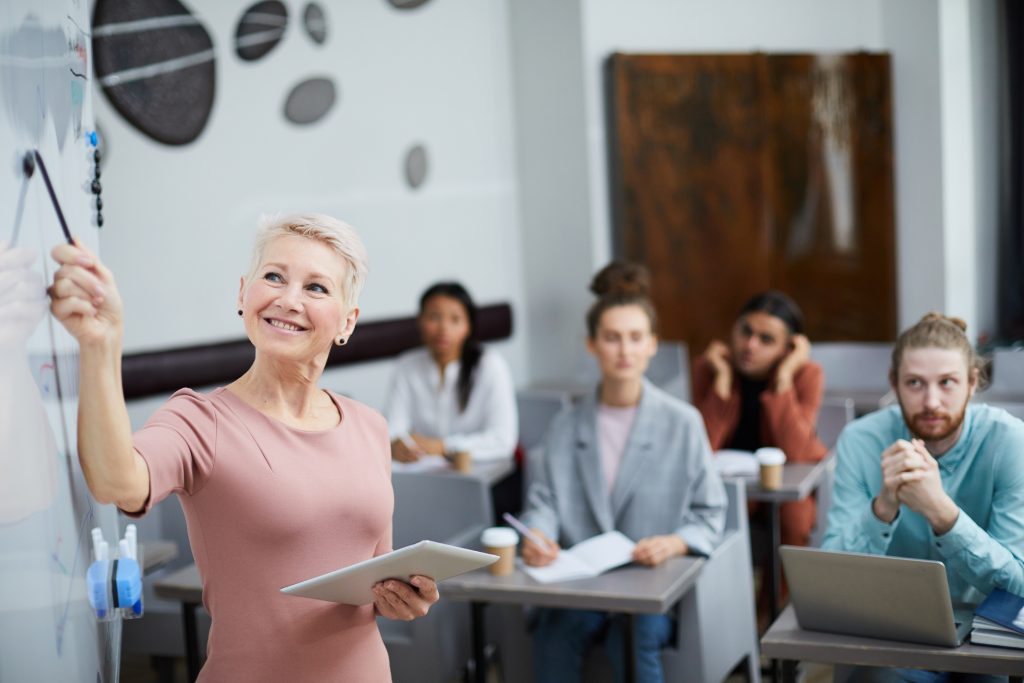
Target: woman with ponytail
{"points": [[627, 457], [451, 394]]}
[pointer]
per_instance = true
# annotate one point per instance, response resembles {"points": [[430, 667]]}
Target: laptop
{"points": [[874, 596]]}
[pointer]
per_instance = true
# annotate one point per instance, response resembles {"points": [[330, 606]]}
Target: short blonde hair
{"points": [[336, 234]]}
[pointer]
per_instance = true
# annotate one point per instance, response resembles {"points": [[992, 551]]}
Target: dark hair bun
{"points": [[935, 316], [621, 279]]}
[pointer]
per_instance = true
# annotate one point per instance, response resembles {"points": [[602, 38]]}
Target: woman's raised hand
{"points": [[84, 296], [798, 355], [720, 358]]}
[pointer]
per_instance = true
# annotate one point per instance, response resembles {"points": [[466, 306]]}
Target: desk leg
{"points": [[629, 645], [772, 566], [788, 671], [188, 614], [479, 643], [774, 577]]}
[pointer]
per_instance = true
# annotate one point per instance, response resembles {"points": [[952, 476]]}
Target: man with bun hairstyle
{"points": [[936, 477]]}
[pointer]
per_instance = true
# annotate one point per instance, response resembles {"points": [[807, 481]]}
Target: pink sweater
{"points": [[268, 505]]}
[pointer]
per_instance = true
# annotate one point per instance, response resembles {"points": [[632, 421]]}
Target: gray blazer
{"points": [[666, 481]]}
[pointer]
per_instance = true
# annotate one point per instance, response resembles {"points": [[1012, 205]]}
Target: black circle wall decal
{"points": [[155, 63], [260, 29]]}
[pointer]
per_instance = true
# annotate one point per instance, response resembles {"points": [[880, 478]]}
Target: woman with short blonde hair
{"points": [[279, 480]]}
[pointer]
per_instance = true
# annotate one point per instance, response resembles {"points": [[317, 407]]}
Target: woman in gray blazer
{"points": [[628, 457]]}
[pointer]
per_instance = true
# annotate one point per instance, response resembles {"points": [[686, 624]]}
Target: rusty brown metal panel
{"points": [[734, 173], [690, 134]]}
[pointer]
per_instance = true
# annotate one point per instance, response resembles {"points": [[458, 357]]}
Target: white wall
{"points": [[552, 171], [180, 220]]}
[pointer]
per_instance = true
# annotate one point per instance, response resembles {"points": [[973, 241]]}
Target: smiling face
{"points": [[934, 386], [444, 327], [759, 341], [294, 306], [624, 343]]}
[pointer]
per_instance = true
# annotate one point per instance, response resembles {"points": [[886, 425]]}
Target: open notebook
{"points": [[587, 559]]}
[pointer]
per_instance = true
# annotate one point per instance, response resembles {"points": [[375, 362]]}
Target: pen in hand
{"points": [[522, 528]]}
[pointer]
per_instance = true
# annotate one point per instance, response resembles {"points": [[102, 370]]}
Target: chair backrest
{"points": [[670, 369], [1008, 372], [834, 414], [854, 366], [1015, 409], [448, 508], [536, 410], [736, 512]]}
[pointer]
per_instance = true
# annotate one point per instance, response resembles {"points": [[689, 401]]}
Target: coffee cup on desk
{"points": [[501, 541], [771, 461], [462, 461]]}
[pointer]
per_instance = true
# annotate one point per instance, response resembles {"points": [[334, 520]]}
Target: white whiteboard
{"points": [[47, 629]]}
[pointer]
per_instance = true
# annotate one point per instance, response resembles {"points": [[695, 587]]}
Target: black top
{"points": [[747, 436]]}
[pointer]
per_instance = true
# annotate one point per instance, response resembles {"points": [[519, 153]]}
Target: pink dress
{"points": [[268, 505]]}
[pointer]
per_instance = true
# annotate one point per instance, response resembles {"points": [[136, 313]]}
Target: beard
{"points": [[933, 431]]}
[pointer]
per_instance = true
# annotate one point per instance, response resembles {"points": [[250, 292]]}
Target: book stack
{"points": [[999, 620]]}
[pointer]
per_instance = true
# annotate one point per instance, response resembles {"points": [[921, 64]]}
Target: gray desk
{"points": [[156, 554], [785, 640], [799, 480], [185, 586], [629, 590], [490, 473]]}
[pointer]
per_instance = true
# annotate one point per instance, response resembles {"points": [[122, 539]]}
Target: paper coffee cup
{"points": [[501, 541], [771, 461], [462, 461]]}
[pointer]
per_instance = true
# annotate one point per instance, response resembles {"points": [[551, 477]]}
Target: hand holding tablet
{"points": [[353, 585]]}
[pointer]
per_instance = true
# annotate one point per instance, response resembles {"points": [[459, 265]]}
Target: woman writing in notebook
{"points": [[451, 394], [280, 480], [628, 457], [763, 389]]}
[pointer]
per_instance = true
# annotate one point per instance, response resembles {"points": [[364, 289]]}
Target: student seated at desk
{"points": [[936, 477], [452, 394], [279, 480], [763, 389], [628, 457]]}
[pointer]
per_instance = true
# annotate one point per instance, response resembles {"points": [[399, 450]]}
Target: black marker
{"points": [[28, 167]]}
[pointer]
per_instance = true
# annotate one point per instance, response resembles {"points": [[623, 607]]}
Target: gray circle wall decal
{"points": [[315, 22], [310, 100], [416, 166]]}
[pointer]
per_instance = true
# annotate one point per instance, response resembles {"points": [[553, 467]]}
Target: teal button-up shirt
{"points": [[983, 474]]}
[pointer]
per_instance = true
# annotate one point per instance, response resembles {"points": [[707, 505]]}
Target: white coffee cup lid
{"points": [[499, 537], [770, 456]]}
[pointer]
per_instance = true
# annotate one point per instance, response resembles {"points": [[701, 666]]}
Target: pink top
{"points": [[268, 505], [613, 425]]}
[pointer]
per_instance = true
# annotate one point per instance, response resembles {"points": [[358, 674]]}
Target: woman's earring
{"points": [[341, 341], [239, 312]]}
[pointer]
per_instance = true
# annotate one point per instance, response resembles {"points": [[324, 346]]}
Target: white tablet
{"points": [[353, 585]]}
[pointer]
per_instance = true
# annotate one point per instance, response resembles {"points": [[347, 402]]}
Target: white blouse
{"points": [[421, 401]]}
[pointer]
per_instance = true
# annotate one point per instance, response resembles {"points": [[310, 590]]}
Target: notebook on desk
{"points": [[586, 559], [873, 596]]}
